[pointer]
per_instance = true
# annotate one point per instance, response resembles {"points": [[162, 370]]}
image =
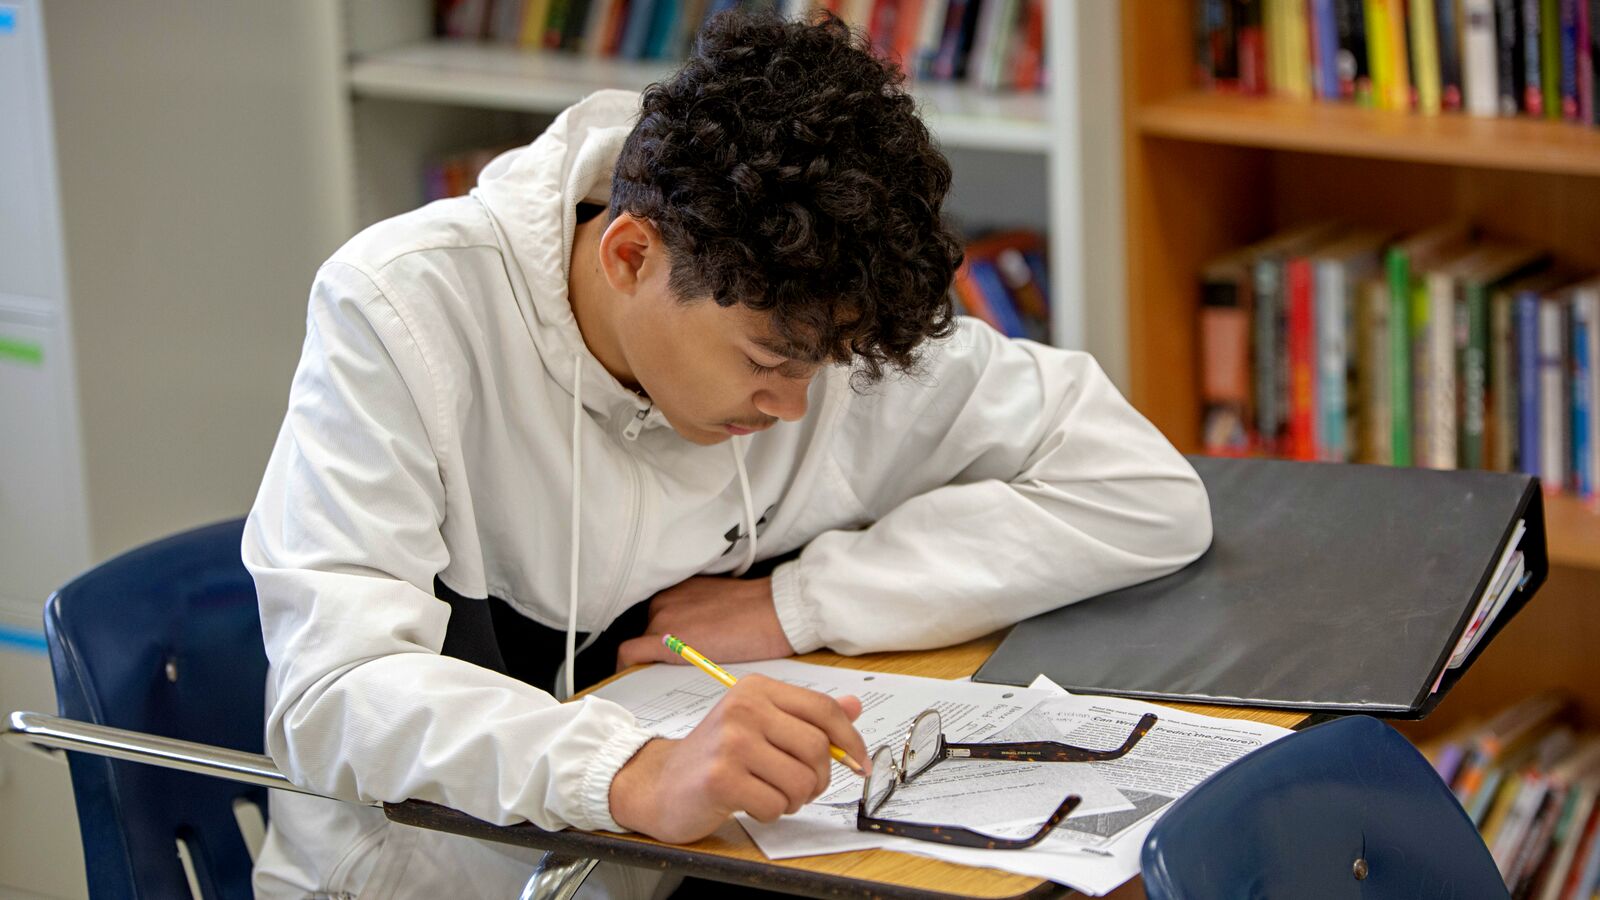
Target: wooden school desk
{"points": [[730, 856]]}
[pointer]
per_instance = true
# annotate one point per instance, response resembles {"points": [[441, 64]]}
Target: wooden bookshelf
{"points": [[1518, 145], [1207, 173]]}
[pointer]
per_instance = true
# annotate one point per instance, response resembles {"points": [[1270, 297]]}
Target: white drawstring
{"points": [[749, 508], [577, 509]]}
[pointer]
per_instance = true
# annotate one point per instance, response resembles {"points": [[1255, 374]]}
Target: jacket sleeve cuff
{"points": [[594, 797], [798, 618]]}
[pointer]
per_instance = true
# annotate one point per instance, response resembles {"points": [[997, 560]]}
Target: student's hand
{"points": [[727, 619], [763, 749]]}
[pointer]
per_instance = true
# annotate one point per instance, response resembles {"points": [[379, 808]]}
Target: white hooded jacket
{"points": [[445, 421]]}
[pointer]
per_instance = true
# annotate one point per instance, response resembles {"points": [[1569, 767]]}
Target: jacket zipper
{"points": [[636, 424]]}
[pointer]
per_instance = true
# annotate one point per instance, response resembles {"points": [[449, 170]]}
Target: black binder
{"points": [[1327, 586]]}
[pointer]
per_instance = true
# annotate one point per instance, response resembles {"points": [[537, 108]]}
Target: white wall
{"points": [[202, 182], [203, 177]]}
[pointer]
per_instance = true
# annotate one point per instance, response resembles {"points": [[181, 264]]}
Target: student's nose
{"points": [[786, 400]]}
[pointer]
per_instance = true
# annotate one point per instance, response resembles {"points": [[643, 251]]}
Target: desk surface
{"points": [[730, 855]]}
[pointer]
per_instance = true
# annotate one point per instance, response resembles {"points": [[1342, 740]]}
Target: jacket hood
{"points": [[532, 193]]}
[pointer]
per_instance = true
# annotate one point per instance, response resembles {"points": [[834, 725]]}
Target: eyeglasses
{"points": [[926, 745]]}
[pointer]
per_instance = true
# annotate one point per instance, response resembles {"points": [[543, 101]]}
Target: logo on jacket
{"points": [[737, 533]]}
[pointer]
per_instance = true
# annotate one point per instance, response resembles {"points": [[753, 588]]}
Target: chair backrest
{"points": [[1293, 818], [165, 639]]}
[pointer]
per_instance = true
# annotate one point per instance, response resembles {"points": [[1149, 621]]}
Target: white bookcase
{"points": [[1020, 159]]}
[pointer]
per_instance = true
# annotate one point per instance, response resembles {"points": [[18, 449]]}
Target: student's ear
{"points": [[630, 250]]}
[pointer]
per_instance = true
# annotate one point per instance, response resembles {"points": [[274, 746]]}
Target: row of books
{"points": [[1487, 57], [1003, 280], [1530, 782], [1444, 348], [995, 44]]}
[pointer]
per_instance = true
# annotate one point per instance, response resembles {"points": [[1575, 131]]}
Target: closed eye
{"points": [[759, 369]]}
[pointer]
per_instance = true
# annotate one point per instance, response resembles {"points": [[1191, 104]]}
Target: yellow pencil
{"points": [[719, 673]]}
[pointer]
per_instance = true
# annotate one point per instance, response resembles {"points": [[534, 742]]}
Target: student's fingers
{"points": [[761, 800], [806, 743], [824, 712], [792, 778], [647, 648], [851, 704]]}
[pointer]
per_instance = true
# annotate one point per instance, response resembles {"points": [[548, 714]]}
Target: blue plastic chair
{"points": [[164, 639], [1346, 809]]}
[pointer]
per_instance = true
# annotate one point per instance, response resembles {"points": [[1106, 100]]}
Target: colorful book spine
{"points": [[1376, 382], [1473, 449], [1553, 397], [1251, 46], [1225, 363], [1532, 58], [1325, 49], [1399, 273], [1480, 58], [1439, 386], [1405, 79], [1590, 298], [1354, 74], [1448, 31], [1331, 307], [1302, 361], [1569, 59], [1379, 59], [1510, 54], [1425, 56], [1583, 409], [1502, 413], [1296, 29], [1550, 57], [1530, 453], [1271, 374], [1587, 10]]}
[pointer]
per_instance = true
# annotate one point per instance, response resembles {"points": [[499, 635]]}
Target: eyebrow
{"points": [[789, 352]]}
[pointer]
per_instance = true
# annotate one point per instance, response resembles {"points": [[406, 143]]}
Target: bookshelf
{"points": [[1207, 173], [1018, 158]]}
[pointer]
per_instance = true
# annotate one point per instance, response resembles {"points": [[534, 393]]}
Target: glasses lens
{"points": [[880, 783], [922, 744]]}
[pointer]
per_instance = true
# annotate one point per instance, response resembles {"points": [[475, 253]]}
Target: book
{"points": [[1295, 34], [1554, 431], [1480, 63], [1568, 67], [1586, 388], [1379, 58], [1324, 43], [1374, 378], [1448, 31], [1302, 342], [1569, 839], [1497, 265], [1424, 38], [1510, 55], [1550, 57], [1501, 416], [1588, 21], [1225, 320], [1271, 333], [1533, 52], [1400, 67], [1352, 66], [1418, 250], [1339, 269]]}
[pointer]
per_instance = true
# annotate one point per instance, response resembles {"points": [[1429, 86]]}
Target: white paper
{"points": [[1096, 854], [670, 700], [1094, 851]]}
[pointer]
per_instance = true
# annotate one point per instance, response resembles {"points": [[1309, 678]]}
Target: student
{"points": [[676, 335]]}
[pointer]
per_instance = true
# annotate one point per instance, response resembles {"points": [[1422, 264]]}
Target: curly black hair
{"points": [[787, 170]]}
